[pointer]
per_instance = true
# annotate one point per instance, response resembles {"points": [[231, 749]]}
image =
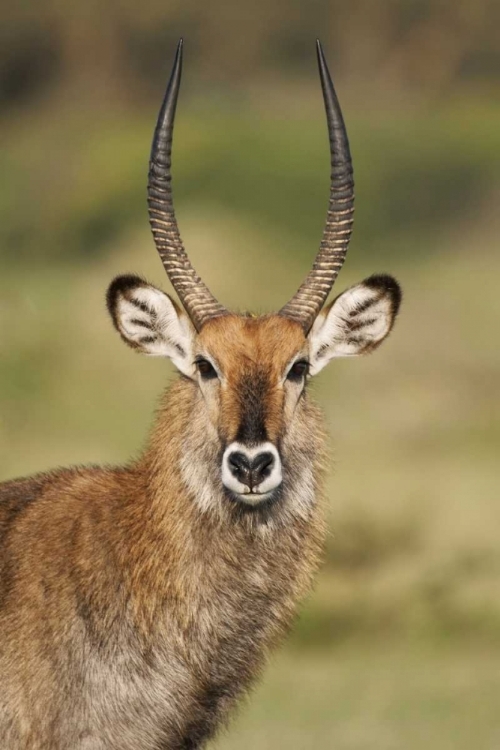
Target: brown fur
{"points": [[251, 351], [136, 609]]}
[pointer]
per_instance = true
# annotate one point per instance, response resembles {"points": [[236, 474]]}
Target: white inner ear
{"points": [[149, 320], [357, 321]]}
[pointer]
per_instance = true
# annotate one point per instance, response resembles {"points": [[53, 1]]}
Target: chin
{"points": [[254, 500]]}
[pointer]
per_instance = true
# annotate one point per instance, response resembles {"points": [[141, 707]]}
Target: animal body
{"points": [[137, 604]]}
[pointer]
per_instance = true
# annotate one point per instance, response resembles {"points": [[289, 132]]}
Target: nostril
{"points": [[261, 466], [239, 464], [238, 460]]}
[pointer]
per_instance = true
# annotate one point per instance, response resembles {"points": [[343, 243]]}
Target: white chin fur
{"points": [[252, 498]]}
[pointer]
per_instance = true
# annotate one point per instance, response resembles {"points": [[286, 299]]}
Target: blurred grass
{"points": [[407, 694], [250, 205], [82, 183], [399, 645]]}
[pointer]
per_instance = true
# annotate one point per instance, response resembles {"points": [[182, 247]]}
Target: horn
{"points": [[311, 296], [198, 302]]}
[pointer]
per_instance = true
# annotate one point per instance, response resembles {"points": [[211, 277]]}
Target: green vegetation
{"points": [[413, 555], [399, 646], [84, 184], [400, 694]]}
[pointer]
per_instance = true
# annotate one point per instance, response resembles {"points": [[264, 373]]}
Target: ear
{"points": [[356, 322], [150, 322]]}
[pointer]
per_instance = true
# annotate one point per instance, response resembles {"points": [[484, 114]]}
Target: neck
{"points": [[197, 546]]}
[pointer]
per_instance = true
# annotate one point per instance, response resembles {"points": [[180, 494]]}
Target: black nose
{"points": [[250, 471]]}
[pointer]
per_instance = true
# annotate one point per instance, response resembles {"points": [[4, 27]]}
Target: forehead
{"points": [[270, 340]]}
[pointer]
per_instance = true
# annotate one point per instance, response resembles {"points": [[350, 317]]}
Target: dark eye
{"points": [[206, 369], [298, 370]]}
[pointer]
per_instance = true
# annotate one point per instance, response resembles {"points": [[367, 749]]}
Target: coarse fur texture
{"points": [[138, 604], [133, 615]]}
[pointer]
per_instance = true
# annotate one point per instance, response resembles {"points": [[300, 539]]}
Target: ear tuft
{"points": [[356, 322], [120, 287], [389, 286], [149, 321]]}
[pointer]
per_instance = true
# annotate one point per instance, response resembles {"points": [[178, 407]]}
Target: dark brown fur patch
{"points": [[118, 576], [252, 354]]}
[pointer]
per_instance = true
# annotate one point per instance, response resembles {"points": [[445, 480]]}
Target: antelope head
{"points": [[250, 373]]}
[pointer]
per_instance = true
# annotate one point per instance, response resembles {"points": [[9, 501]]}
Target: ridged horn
{"points": [[311, 296], [198, 302]]}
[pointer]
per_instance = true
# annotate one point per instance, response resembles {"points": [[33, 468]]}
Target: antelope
{"points": [[139, 603]]}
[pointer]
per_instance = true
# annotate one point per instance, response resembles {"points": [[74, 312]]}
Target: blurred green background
{"points": [[399, 646]]}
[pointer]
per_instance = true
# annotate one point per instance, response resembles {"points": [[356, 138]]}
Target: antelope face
{"points": [[252, 372]]}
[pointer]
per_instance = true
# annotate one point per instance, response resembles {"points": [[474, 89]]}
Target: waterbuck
{"points": [[137, 604]]}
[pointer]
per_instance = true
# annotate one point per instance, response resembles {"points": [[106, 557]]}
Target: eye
{"points": [[206, 369], [298, 370]]}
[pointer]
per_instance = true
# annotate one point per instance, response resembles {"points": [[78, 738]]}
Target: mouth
{"points": [[253, 499]]}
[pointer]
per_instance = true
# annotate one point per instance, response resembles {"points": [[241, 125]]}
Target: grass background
{"points": [[399, 645]]}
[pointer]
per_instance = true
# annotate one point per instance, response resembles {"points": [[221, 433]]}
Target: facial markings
{"points": [[253, 355], [253, 392]]}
